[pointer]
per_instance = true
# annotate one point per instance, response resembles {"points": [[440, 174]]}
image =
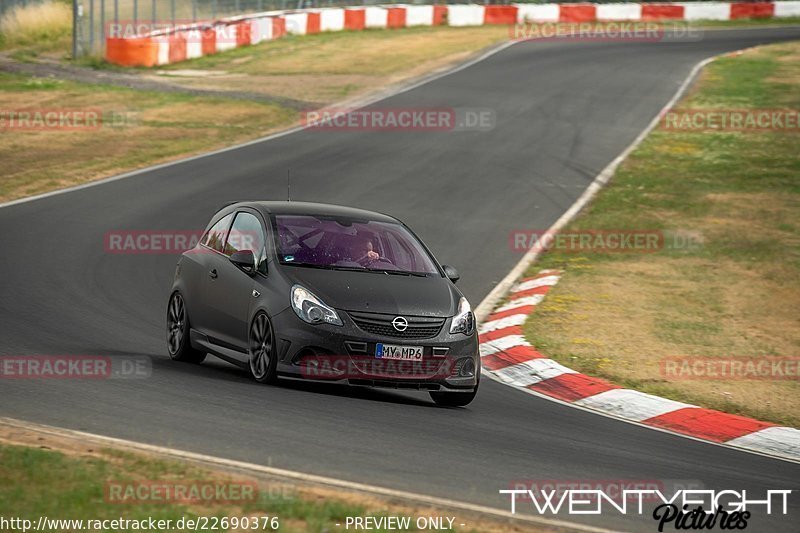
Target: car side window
{"points": [[215, 237], [248, 234]]}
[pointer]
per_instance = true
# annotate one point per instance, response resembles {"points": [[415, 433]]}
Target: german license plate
{"points": [[403, 353]]}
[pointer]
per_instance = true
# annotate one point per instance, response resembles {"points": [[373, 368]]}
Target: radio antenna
{"points": [[288, 185]]}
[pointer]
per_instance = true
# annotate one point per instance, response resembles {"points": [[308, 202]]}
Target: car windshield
{"points": [[339, 243]]}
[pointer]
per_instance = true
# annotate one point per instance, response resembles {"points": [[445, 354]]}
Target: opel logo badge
{"points": [[400, 323]]}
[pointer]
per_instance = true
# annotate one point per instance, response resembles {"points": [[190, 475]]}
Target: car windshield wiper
{"points": [[360, 269], [327, 267], [400, 273], [311, 265]]}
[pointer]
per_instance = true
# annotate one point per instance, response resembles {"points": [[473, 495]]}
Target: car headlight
{"points": [[311, 309], [464, 321]]}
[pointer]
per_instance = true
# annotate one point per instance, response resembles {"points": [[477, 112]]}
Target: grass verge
{"points": [[734, 292], [61, 478]]}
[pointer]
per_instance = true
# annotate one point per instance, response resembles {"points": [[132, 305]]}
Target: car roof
{"points": [[274, 207]]}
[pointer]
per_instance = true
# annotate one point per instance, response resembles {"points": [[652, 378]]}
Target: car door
{"points": [[229, 290], [197, 268]]}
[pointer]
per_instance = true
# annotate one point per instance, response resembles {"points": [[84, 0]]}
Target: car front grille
{"points": [[381, 325]]}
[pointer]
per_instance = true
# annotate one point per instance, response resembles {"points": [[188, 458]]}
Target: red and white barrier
{"points": [[419, 15], [537, 13], [787, 9], [632, 12], [706, 11], [179, 44], [375, 17], [465, 15], [331, 19]]}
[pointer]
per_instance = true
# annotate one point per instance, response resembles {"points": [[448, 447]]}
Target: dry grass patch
{"points": [[327, 67], [46, 25], [140, 128]]}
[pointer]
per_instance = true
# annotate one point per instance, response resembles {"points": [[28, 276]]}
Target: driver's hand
{"points": [[373, 255]]}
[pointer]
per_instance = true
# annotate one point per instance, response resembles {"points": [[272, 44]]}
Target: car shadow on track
{"points": [[219, 369]]}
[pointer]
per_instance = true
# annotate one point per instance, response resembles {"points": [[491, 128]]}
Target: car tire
{"points": [[454, 399], [178, 343], [262, 354]]}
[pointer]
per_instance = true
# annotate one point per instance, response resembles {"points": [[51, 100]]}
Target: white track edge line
{"points": [[296, 476]]}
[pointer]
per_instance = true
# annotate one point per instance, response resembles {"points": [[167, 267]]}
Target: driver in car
{"points": [[363, 251]]}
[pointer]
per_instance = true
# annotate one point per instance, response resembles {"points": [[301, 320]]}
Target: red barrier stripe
{"points": [[707, 423], [355, 19], [177, 48], [752, 10], [571, 387], [313, 22], [243, 30], [499, 334], [521, 310], [278, 27], [500, 15], [209, 41], [661, 12], [133, 52], [396, 17], [577, 13], [439, 15], [509, 357]]}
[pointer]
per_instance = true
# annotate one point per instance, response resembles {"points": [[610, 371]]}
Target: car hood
{"points": [[375, 292]]}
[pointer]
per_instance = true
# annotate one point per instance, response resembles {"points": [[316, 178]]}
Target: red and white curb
{"points": [[507, 357]]}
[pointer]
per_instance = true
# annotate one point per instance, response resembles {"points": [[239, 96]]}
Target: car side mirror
{"points": [[451, 273], [245, 260]]}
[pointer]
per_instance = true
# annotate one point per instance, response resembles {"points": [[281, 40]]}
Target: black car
{"points": [[324, 292]]}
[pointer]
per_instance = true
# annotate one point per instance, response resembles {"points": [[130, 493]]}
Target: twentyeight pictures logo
{"points": [[683, 509]]}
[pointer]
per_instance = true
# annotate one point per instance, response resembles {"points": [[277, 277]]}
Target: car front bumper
{"points": [[347, 354]]}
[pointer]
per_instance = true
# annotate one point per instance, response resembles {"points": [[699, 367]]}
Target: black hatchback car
{"points": [[324, 292]]}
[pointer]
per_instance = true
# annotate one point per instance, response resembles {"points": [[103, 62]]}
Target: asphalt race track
{"points": [[564, 111]]}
